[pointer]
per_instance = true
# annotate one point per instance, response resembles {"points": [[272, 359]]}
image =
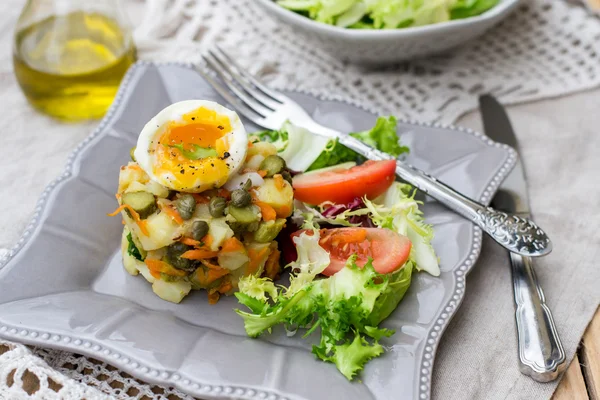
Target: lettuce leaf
{"points": [[304, 151], [333, 154], [398, 285], [383, 136], [470, 8], [347, 307], [386, 14]]}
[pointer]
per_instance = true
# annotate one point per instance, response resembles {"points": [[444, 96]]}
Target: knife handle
{"points": [[541, 354]]}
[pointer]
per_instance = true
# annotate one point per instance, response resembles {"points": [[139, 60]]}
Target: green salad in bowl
{"points": [[386, 14], [383, 32]]}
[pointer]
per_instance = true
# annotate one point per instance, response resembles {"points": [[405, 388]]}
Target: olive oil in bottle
{"points": [[70, 66]]}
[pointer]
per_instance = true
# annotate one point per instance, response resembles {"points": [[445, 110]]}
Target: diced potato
{"points": [[135, 187], [145, 272], [265, 149], [161, 228], [202, 213], [157, 189], [220, 231], [171, 291], [253, 162], [233, 260], [129, 174], [280, 199]]}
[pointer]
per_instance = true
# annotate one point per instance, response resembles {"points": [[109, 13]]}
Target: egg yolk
{"points": [[174, 158]]}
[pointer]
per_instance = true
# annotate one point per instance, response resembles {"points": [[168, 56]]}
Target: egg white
{"points": [[236, 139]]}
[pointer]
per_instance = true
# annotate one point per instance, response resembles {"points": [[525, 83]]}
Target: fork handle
{"points": [[517, 234]]}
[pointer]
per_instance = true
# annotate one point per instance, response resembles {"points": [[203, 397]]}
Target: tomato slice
{"points": [[388, 249], [343, 185]]}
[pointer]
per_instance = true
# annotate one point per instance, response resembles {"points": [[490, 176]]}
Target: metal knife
{"points": [[541, 354]]}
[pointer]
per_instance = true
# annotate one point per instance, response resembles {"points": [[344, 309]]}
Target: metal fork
{"points": [[270, 109]]}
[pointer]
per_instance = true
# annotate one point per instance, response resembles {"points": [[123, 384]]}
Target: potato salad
{"points": [[201, 203]]}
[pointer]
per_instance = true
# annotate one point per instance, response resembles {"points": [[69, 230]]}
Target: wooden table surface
{"points": [[582, 379]]}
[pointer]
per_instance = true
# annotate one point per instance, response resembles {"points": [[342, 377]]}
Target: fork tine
{"points": [[252, 103], [245, 111], [251, 79], [243, 82]]}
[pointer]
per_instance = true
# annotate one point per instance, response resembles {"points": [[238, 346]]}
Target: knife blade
{"points": [[512, 195], [540, 350]]}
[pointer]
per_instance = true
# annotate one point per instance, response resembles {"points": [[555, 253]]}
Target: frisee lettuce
{"points": [[397, 209], [304, 151], [347, 307]]}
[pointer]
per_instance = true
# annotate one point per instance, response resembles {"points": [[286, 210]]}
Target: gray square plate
{"points": [[63, 285]]}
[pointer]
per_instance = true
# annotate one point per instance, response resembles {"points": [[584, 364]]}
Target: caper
{"points": [[199, 229], [240, 198], [285, 174], [186, 205], [131, 151], [174, 252], [216, 207], [247, 185], [272, 165]]}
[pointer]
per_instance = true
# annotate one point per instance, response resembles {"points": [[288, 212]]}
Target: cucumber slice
{"points": [[245, 215], [143, 203], [268, 230]]}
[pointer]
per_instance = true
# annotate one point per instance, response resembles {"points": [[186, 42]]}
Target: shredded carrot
{"points": [[284, 211], [268, 212], [262, 173], [231, 244], [256, 258], [224, 193], [190, 242], [200, 198], [199, 254], [213, 297], [210, 265], [162, 267], [123, 221], [272, 265], [225, 287], [207, 277], [253, 194], [171, 212], [207, 240], [118, 196], [250, 144], [136, 217], [155, 274], [279, 181], [135, 167]]}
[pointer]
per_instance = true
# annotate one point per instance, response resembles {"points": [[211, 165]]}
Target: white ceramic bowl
{"points": [[392, 45]]}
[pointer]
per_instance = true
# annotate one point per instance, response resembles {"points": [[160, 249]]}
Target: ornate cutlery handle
{"points": [[541, 354], [517, 234]]}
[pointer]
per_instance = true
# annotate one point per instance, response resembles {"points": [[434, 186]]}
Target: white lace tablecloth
{"points": [[545, 49]]}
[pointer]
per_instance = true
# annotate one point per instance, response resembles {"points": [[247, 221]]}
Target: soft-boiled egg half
{"points": [[192, 146]]}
